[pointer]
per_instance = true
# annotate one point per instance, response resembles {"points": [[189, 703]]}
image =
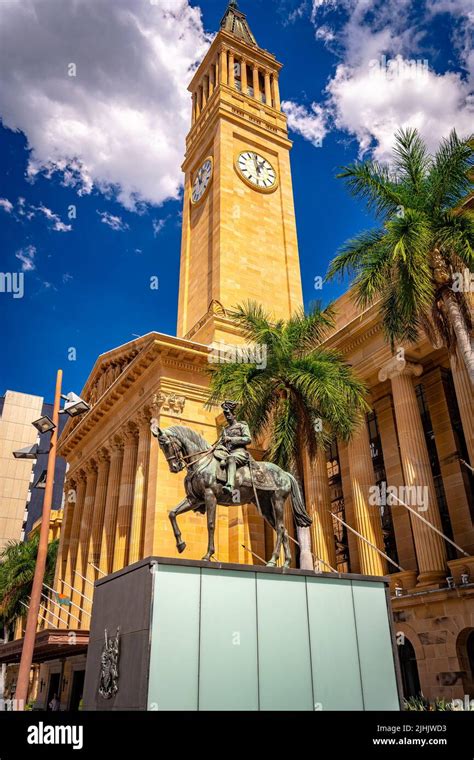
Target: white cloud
{"points": [[119, 125], [58, 225], [158, 225], [372, 104], [311, 122], [115, 222], [67, 277], [375, 90], [325, 33], [6, 205], [24, 209], [26, 256]]}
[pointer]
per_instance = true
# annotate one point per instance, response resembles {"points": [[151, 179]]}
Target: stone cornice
{"points": [[271, 124], [171, 351]]}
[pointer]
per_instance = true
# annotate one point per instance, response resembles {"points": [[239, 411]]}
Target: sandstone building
{"points": [[420, 431]]}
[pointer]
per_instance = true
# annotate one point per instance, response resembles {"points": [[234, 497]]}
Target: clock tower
{"points": [[239, 237]]}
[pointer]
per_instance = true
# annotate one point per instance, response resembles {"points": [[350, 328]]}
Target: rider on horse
{"points": [[231, 449]]}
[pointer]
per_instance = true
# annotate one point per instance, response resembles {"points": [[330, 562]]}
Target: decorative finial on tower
{"points": [[236, 22]]}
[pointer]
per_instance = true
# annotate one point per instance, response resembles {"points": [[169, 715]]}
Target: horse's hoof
{"points": [[272, 563], [181, 546], [286, 564], [206, 558]]}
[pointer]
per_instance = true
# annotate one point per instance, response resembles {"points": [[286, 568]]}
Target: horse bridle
{"points": [[180, 457]]}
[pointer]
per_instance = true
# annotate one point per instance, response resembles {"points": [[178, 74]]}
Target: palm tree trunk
{"points": [[458, 324]]}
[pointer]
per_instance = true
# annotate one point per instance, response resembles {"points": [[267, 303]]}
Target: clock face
{"points": [[201, 180], [257, 170]]}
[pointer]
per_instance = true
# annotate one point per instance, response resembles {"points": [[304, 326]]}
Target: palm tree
{"points": [[302, 398], [17, 568], [412, 261]]}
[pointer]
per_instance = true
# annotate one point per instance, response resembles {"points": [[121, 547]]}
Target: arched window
{"points": [[465, 652], [409, 669]]}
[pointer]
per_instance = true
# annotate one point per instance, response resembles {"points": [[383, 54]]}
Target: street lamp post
{"points": [[21, 695]]}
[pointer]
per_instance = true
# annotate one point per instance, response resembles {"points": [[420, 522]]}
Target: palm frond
{"points": [[449, 177], [352, 255], [412, 161], [374, 183]]}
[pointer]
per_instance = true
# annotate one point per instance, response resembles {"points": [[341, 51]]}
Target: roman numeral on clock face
{"points": [[256, 170]]}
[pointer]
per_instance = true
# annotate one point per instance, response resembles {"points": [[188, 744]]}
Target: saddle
{"points": [[253, 472]]}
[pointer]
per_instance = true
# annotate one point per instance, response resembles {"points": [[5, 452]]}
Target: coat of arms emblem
{"points": [[109, 673]]}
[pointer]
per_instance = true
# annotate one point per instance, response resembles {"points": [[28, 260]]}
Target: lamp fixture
{"points": [[44, 425], [41, 482], [29, 452], [74, 405]]}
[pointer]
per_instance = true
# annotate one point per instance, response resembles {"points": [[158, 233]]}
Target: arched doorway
{"points": [[409, 669], [465, 651]]}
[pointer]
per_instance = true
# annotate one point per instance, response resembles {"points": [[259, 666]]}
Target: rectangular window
{"points": [[343, 563], [388, 532], [446, 526]]}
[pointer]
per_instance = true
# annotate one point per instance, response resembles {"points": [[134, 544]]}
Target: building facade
{"points": [[239, 241]]}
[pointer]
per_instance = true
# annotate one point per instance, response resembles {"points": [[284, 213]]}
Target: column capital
{"points": [[129, 433], [103, 455], [397, 366], [142, 417], [115, 445], [90, 467]]}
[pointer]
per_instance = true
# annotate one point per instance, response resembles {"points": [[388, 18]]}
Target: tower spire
{"points": [[235, 21]]}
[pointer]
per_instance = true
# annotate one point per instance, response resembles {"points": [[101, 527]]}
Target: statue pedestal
{"points": [[200, 636]]}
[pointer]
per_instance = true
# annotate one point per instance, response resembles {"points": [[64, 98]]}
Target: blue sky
{"points": [[109, 142]]}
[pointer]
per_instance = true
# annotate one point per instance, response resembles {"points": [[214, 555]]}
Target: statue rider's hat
{"points": [[230, 406]]}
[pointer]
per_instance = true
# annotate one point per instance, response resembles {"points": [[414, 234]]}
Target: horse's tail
{"points": [[302, 519]]}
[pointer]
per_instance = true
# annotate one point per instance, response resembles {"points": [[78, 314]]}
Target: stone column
{"points": [[211, 79], [256, 83], [465, 399], [394, 475], [276, 92], [243, 76], [268, 89], [125, 504], [106, 558], [204, 91], [318, 504], [430, 549], [79, 584], [231, 69], [93, 555], [194, 107], [137, 534], [451, 467], [78, 507], [64, 539], [367, 515], [223, 78], [198, 103]]}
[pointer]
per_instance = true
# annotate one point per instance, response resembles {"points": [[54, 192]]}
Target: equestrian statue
{"points": [[226, 474]]}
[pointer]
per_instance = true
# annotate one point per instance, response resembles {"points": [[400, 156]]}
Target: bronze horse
{"points": [[184, 448]]}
